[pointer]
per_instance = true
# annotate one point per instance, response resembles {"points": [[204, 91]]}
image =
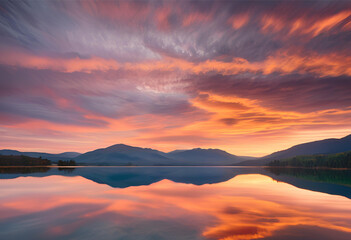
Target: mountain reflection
{"points": [[336, 182], [248, 206], [23, 170], [342, 177]]}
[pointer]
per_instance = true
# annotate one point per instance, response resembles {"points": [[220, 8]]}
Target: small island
{"points": [[66, 163]]}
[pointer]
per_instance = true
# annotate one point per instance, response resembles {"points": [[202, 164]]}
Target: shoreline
{"points": [[197, 166]]}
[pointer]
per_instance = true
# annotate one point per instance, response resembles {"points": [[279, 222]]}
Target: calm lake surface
{"points": [[131, 203]]}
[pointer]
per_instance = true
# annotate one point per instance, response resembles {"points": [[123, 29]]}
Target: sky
{"points": [[248, 77]]}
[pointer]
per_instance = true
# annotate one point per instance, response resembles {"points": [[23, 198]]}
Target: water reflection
{"points": [[249, 205], [23, 170], [66, 169], [335, 182], [342, 177]]}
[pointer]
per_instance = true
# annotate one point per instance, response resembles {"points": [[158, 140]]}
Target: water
{"points": [[152, 203]]}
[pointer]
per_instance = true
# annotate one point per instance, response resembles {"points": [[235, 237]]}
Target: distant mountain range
{"points": [[326, 146], [122, 155], [199, 156], [49, 156]]}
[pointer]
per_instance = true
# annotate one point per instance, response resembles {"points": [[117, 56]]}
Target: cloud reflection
{"points": [[245, 207]]}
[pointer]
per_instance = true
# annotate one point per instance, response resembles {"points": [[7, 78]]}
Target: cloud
{"points": [[228, 121], [192, 138], [79, 98], [297, 93], [116, 104], [29, 107], [75, 64], [209, 101], [176, 74]]}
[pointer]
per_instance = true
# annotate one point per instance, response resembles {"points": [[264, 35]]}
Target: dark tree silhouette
{"points": [[66, 163], [21, 160], [338, 160]]}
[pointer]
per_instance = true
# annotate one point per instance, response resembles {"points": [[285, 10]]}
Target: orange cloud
{"points": [[237, 125], [128, 12], [272, 23], [305, 25], [16, 58], [322, 65], [284, 62], [195, 17], [327, 23], [281, 62], [240, 20], [162, 18]]}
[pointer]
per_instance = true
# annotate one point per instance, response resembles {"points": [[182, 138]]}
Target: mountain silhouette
{"points": [[49, 156], [326, 146], [208, 157], [121, 155]]}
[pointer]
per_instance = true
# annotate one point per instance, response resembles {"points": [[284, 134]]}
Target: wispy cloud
{"points": [[170, 74]]}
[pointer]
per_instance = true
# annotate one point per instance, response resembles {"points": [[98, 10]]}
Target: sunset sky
{"points": [[248, 77]]}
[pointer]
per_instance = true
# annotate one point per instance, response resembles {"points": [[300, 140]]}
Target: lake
{"points": [[183, 203]]}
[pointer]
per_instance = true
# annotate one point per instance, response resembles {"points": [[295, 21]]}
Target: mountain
{"points": [[326, 146], [49, 156], [207, 157], [121, 155], [69, 154]]}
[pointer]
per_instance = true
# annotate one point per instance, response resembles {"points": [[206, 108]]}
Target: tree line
{"points": [[338, 160], [66, 163], [21, 160]]}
